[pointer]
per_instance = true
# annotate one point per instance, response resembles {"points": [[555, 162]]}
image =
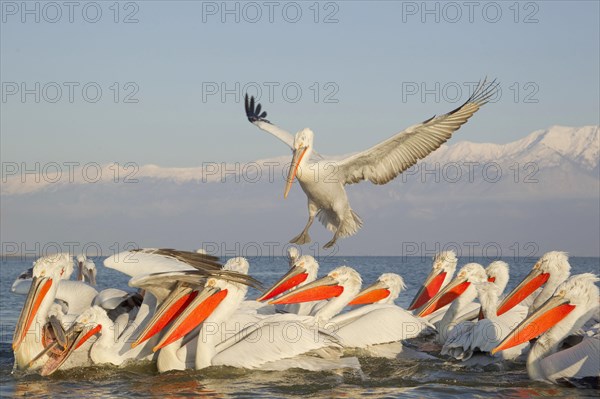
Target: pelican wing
{"points": [[376, 324], [76, 294], [386, 160], [280, 336], [257, 118], [579, 361]]}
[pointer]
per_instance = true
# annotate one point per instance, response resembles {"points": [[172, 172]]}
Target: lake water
{"points": [[378, 378]]}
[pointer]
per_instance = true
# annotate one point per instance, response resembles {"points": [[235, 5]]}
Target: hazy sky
{"points": [[365, 65], [156, 82]]}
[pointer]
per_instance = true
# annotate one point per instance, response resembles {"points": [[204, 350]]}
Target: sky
{"points": [[162, 83]]}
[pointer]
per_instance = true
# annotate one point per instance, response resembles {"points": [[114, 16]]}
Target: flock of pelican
{"points": [[190, 312]]}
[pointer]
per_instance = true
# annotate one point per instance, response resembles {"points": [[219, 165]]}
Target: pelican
{"points": [[86, 270], [385, 290], [460, 292], [304, 270], [323, 181], [574, 302], [550, 270], [47, 271], [442, 271], [472, 342], [369, 325], [108, 345]]}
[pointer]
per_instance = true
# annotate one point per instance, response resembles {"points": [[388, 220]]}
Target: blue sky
{"points": [[369, 57]]}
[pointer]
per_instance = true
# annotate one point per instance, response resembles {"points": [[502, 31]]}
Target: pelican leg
{"points": [[304, 238], [332, 242]]}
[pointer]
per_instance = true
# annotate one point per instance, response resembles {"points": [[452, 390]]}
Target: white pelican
{"points": [[442, 271], [109, 345], [47, 271], [460, 292], [573, 303], [550, 270], [472, 342], [385, 290], [303, 271], [86, 270], [368, 325], [323, 181]]}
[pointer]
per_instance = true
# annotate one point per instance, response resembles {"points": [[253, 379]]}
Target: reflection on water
{"points": [[378, 377]]}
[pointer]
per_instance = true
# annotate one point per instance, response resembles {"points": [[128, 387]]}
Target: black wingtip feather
{"points": [[481, 95], [253, 112]]}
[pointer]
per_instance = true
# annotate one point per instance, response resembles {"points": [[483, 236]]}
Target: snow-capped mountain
{"points": [[540, 192]]}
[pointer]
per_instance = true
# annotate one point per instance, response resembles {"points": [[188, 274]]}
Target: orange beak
{"points": [[547, 316], [39, 288], [374, 293], [201, 307], [296, 159], [178, 300], [534, 280], [324, 288], [294, 277], [430, 287], [58, 353], [448, 294]]}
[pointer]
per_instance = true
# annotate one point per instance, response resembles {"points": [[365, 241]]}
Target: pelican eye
{"points": [[211, 283], [335, 275]]}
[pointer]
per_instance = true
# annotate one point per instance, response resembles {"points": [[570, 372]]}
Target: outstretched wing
{"points": [[257, 118], [388, 159]]}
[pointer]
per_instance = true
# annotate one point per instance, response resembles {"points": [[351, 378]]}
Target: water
{"points": [[379, 377]]}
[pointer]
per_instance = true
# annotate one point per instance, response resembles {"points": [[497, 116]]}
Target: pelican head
{"points": [[47, 271], [87, 325], [497, 273], [303, 271], [551, 269], [303, 145], [444, 265], [293, 254], [80, 263], [89, 270], [566, 311], [216, 290], [471, 273], [341, 280], [385, 290]]}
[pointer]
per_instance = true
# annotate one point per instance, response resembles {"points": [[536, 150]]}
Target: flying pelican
{"points": [[573, 303], [47, 271], [368, 325], [550, 270], [460, 292], [323, 181]]}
